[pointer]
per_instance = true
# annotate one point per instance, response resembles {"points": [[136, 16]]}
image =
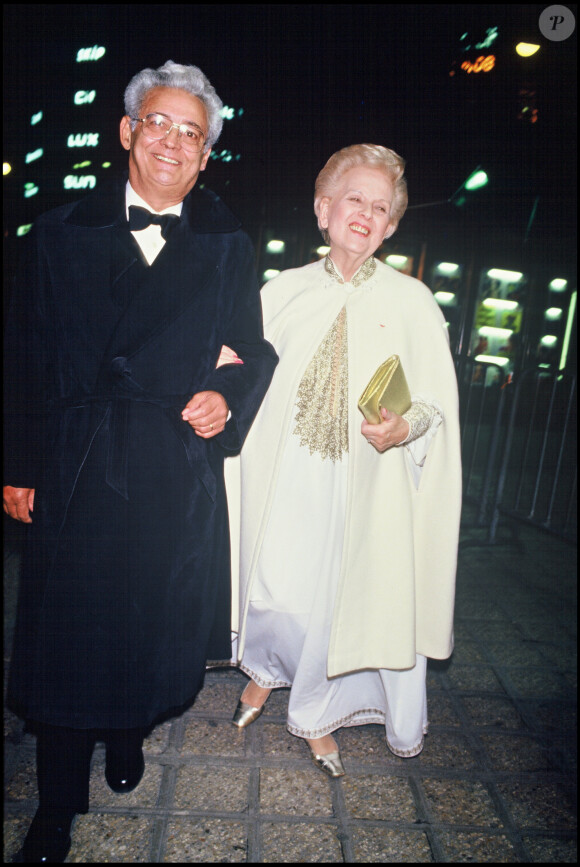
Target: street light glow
{"points": [[476, 180], [500, 274], [275, 246], [526, 49], [447, 267]]}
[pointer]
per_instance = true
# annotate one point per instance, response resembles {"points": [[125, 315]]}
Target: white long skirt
{"points": [[290, 613]]}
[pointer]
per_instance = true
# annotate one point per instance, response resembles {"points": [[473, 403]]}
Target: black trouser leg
{"points": [[123, 743], [63, 767]]}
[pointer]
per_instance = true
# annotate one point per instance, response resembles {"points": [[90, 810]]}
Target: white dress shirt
{"points": [[150, 239]]}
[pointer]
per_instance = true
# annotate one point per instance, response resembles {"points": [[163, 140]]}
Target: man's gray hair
{"points": [[188, 78]]}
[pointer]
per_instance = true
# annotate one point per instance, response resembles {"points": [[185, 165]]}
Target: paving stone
{"points": [[479, 678], [551, 850], [540, 805], [490, 711], [213, 738], [374, 845], [299, 843], [465, 846], [460, 802], [376, 796], [444, 750], [99, 838], [202, 841], [295, 793], [203, 788]]}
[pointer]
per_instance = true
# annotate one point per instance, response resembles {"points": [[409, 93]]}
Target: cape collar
{"points": [[366, 270], [202, 209]]}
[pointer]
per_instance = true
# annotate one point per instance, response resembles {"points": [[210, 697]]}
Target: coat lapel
{"points": [[146, 298]]}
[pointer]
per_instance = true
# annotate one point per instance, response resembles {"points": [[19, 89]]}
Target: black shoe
{"points": [[48, 837], [124, 773]]}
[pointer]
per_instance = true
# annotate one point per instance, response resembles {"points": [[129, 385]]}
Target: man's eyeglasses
{"points": [[157, 126]]}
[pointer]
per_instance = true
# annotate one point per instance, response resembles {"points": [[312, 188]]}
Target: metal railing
{"points": [[518, 445]]}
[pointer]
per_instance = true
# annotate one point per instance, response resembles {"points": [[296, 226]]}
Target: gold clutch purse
{"points": [[387, 389]]}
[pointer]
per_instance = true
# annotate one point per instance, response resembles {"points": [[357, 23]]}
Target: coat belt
{"points": [[118, 402]]}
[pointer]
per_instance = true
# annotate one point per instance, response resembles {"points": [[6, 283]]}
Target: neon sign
{"points": [[84, 140], [76, 182], [83, 96], [482, 64], [94, 53], [33, 155]]}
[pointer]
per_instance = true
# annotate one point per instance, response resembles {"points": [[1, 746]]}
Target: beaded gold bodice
{"points": [[322, 398]]}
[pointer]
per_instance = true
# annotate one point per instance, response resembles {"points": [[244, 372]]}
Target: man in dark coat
{"points": [[135, 363]]}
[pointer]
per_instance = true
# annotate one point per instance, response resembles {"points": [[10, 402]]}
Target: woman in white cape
{"points": [[349, 530]]}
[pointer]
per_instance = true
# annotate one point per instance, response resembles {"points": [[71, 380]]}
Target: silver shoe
{"points": [[246, 714], [331, 763]]}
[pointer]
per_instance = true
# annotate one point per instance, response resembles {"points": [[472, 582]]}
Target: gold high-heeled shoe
{"points": [[246, 714], [331, 763]]}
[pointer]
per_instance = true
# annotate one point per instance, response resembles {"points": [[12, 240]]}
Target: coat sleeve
{"points": [[243, 385], [27, 371]]}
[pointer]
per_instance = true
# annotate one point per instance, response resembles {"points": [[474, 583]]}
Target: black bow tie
{"points": [[140, 218]]}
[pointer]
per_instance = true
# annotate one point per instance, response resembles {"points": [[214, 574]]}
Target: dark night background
{"points": [[312, 79]]}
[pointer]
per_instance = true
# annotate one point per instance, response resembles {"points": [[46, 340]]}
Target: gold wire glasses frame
{"points": [[157, 126]]}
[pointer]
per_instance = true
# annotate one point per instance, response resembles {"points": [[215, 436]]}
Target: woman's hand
{"points": [[390, 432], [228, 356]]}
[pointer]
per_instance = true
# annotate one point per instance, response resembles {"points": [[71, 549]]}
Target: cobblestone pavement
{"points": [[495, 782]]}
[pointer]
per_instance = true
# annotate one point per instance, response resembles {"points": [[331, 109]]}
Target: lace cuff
{"points": [[420, 417]]}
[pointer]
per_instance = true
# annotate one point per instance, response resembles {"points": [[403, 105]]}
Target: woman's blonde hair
{"points": [[375, 156]]}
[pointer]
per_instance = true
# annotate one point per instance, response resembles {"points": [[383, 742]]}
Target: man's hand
{"points": [[206, 412], [390, 432], [19, 503]]}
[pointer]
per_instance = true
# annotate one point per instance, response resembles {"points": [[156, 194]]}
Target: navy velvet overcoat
{"points": [[125, 581]]}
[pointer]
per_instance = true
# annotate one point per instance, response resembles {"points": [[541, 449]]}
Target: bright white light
{"points": [[500, 303], [553, 314], [490, 331], [444, 298], [499, 274], [269, 273], [569, 323], [526, 49], [396, 261], [493, 359], [549, 340], [447, 267], [322, 251], [275, 246], [477, 180], [558, 285]]}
